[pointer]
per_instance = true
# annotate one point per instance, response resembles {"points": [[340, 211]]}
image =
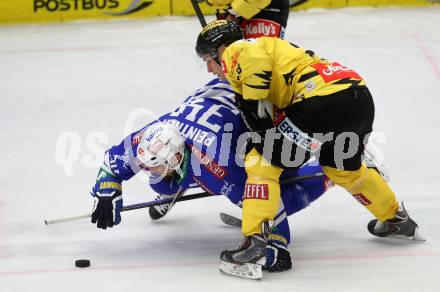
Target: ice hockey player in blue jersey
{"points": [[200, 144]]}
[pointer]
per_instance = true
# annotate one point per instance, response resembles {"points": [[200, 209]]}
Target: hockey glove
{"points": [[108, 199], [254, 113], [277, 257], [226, 14]]}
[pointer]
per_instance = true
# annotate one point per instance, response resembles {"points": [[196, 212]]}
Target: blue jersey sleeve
{"points": [[121, 158]]}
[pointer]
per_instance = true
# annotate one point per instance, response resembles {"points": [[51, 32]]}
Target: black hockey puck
{"points": [[82, 263]]}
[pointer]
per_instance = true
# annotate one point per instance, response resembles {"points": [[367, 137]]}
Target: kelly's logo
{"points": [[255, 28]]}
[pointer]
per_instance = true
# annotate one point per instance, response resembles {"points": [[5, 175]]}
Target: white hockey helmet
{"points": [[159, 145]]}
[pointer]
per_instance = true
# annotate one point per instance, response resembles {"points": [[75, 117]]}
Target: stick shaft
{"points": [[166, 201], [179, 199], [133, 207], [301, 178], [199, 13], [67, 219]]}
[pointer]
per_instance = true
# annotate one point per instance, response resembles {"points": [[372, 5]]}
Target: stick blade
{"points": [[230, 220]]}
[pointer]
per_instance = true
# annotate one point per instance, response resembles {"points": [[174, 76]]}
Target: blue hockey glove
{"points": [[108, 199], [277, 257]]}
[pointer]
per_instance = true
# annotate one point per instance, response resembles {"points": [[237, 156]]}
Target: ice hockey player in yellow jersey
{"points": [[317, 108]]}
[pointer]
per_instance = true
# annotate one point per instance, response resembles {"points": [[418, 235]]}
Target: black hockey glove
{"points": [[256, 118], [277, 257], [224, 10], [108, 200], [226, 14]]}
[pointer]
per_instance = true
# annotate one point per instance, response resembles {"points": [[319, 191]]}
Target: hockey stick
{"points": [[230, 220], [199, 13], [167, 201], [301, 178], [134, 207]]}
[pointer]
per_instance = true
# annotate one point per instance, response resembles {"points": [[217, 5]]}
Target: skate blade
{"points": [[415, 237], [248, 271]]}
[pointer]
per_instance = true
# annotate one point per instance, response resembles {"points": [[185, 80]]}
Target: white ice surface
{"points": [[89, 77]]}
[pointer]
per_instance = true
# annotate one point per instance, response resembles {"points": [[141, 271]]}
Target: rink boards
{"points": [[35, 11]]}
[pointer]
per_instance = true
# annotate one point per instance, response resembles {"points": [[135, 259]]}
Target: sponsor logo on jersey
{"points": [[110, 185], [335, 71], [256, 191], [234, 59], [255, 28], [362, 199], [227, 189], [208, 163], [301, 139], [136, 139], [224, 68], [141, 151], [277, 237]]}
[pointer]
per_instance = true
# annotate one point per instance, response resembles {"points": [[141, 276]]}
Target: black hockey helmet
{"points": [[215, 34]]}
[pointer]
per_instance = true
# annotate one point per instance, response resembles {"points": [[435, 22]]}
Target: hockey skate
{"points": [[159, 211], [400, 227], [247, 259]]}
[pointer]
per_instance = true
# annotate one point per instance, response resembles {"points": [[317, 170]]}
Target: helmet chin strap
{"points": [[214, 55]]}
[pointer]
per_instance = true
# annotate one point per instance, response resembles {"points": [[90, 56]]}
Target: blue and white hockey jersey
{"points": [[216, 138]]}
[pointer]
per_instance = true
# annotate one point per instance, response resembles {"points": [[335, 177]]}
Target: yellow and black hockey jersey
{"points": [[283, 73]]}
